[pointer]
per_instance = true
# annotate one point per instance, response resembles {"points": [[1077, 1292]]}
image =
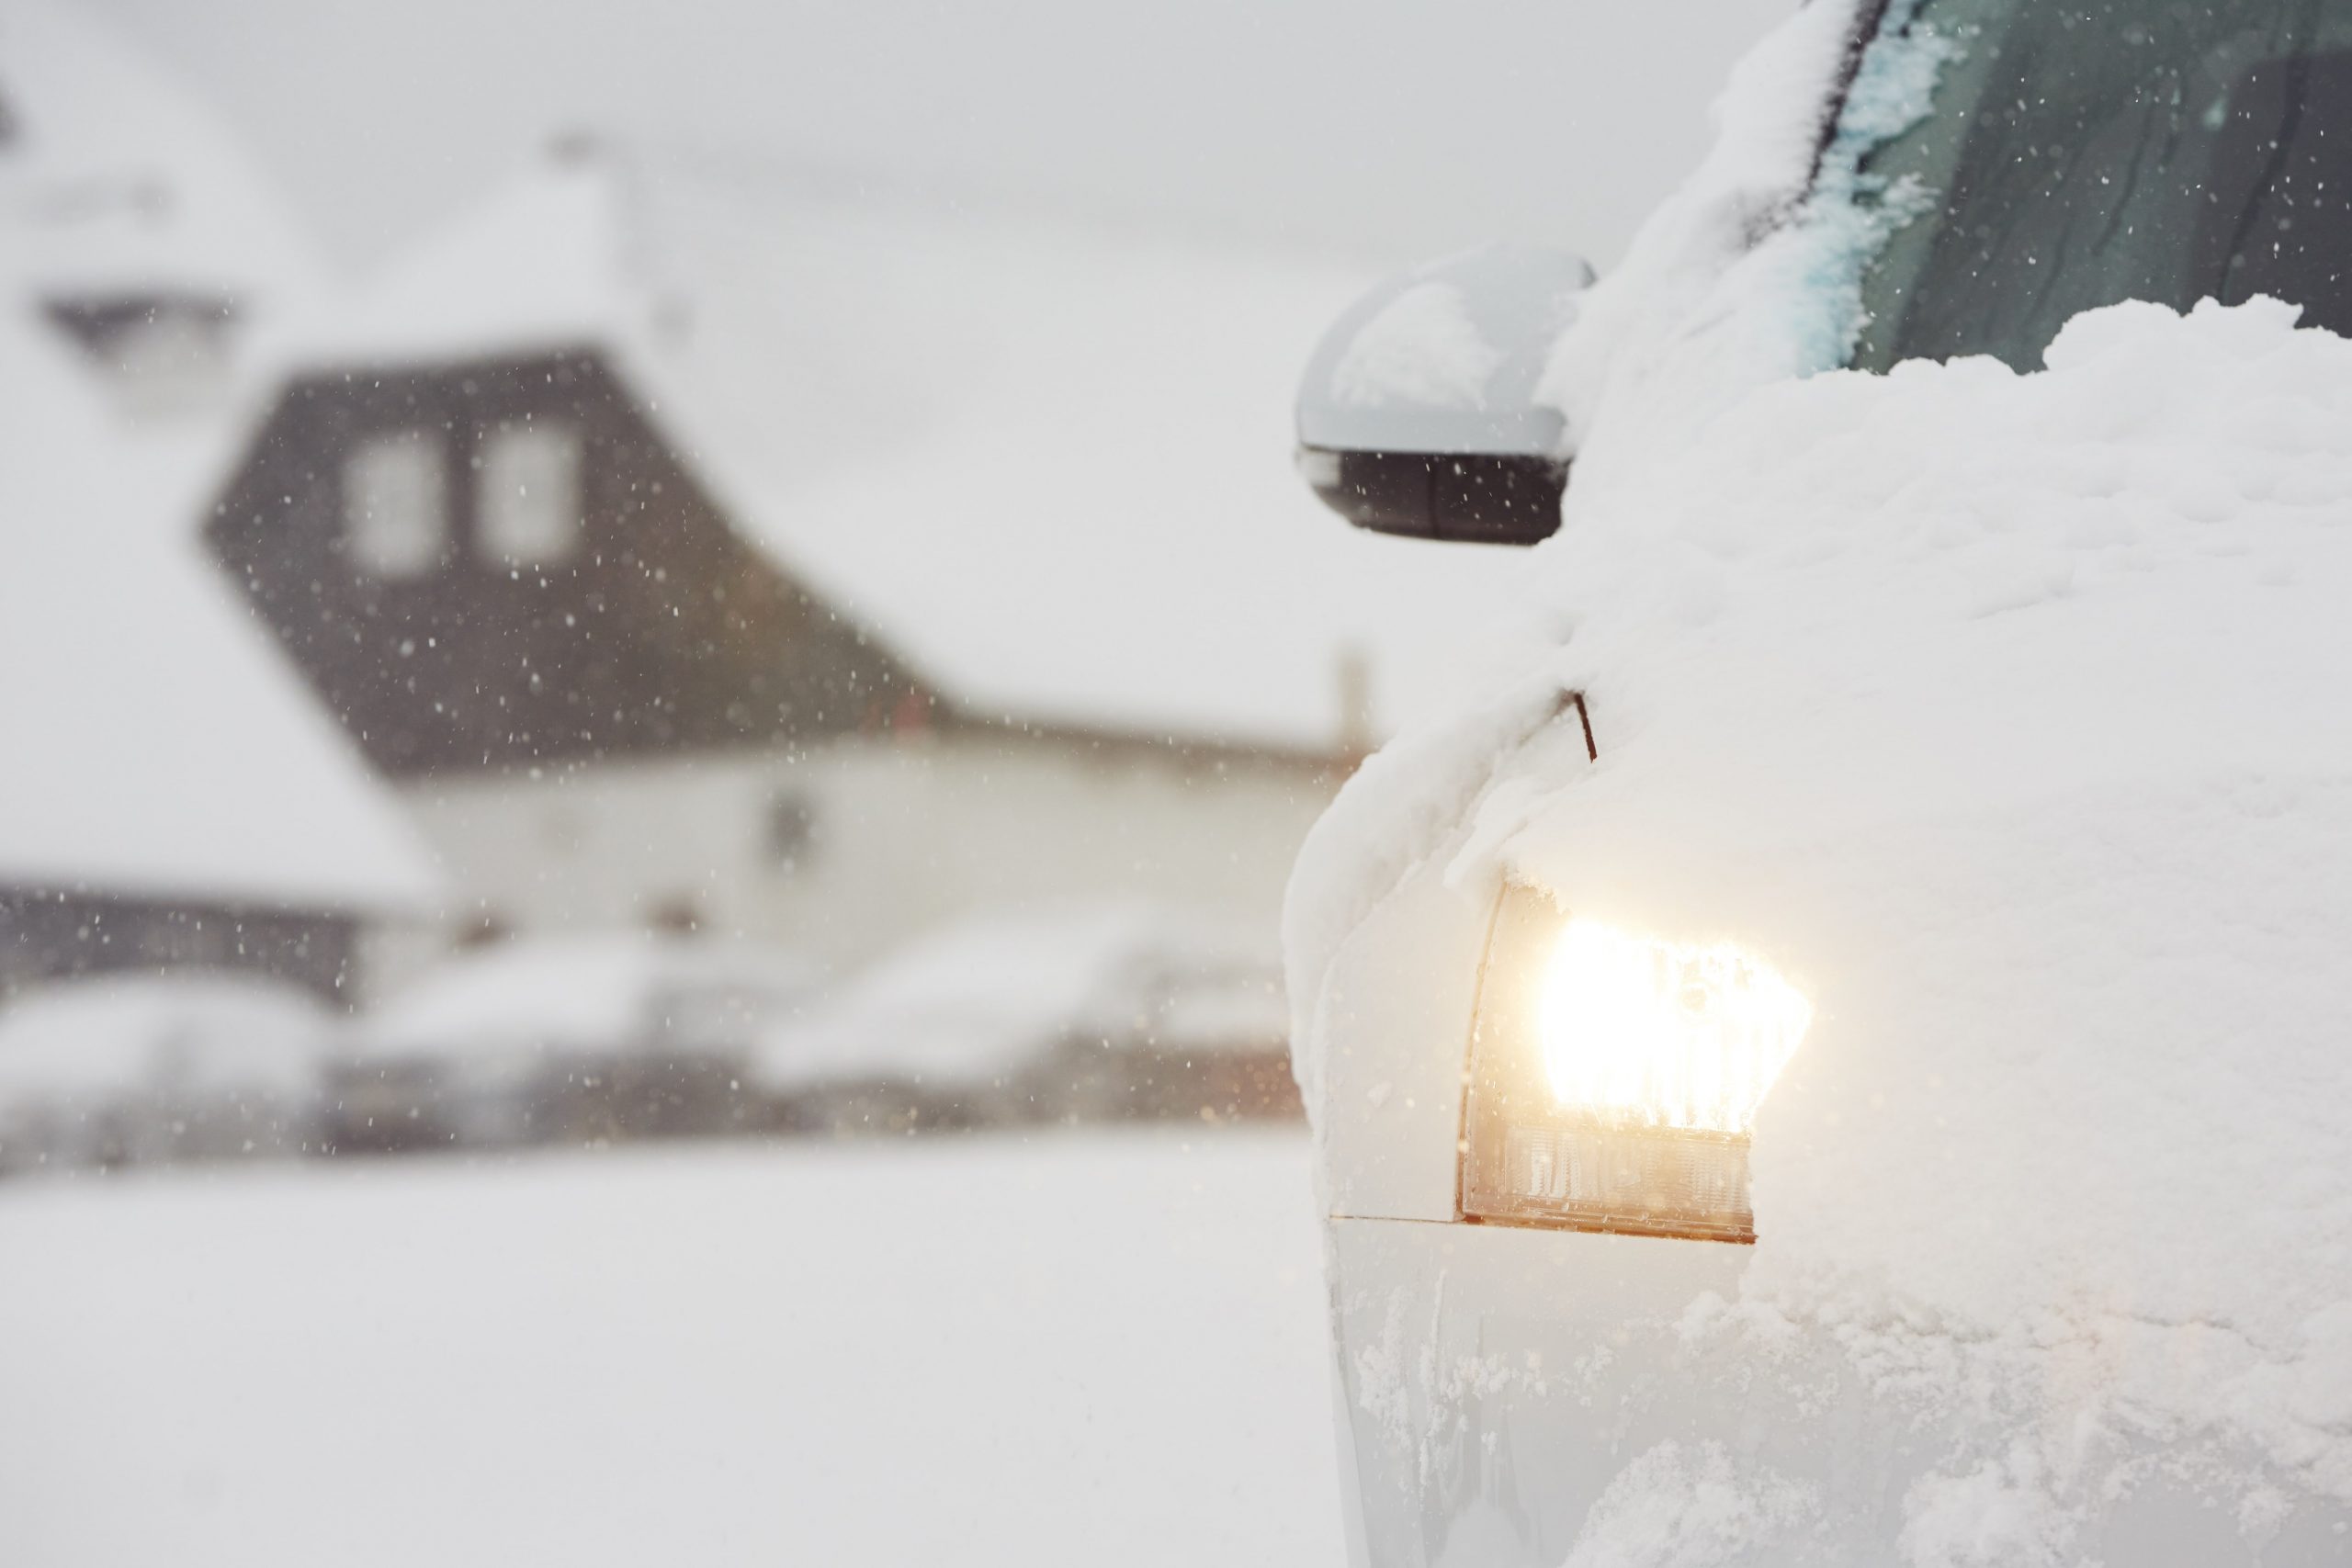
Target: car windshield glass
{"points": [[2089, 151]]}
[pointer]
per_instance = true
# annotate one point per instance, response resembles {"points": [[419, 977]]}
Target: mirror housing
{"points": [[1418, 412]]}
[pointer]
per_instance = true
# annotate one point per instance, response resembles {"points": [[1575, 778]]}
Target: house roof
{"points": [[1046, 464], [155, 742], [115, 179], [158, 743]]}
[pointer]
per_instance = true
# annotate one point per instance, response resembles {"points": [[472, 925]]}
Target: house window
{"points": [[677, 915], [395, 502], [791, 829], [528, 505]]}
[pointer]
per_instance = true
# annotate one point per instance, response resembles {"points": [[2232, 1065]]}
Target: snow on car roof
{"points": [[1047, 463], [977, 1000], [591, 991], [83, 1040]]}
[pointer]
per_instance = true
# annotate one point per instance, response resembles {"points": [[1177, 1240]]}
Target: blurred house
{"points": [[169, 797], [698, 544]]}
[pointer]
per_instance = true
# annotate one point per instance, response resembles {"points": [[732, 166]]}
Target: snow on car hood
{"points": [[2001, 711], [975, 1003], [595, 993], [84, 1043]]}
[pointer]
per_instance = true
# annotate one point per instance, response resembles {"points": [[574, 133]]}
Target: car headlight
{"points": [[1614, 1077]]}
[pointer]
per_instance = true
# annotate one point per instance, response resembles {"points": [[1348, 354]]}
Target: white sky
{"points": [[1385, 130]]}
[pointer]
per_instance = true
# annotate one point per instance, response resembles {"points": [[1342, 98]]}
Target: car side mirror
{"points": [[1417, 415]]}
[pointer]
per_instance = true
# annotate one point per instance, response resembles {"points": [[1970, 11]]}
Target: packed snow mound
{"points": [[2000, 712], [2130, 540]]}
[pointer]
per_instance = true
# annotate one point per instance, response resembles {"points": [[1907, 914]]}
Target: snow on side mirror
{"points": [[1418, 413]]}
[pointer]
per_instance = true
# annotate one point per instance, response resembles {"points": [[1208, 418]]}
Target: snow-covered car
{"points": [[1846, 1061], [567, 1039], [1090, 1013], [129, 1069]]}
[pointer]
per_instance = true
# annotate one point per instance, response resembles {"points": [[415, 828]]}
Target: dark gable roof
{"points": [[662, 632]]}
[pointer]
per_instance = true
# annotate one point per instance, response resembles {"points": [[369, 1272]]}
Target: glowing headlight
{"points": [[1614, 1078]]}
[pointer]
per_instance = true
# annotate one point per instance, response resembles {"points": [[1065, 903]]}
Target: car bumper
{"points": [[1513, 1396]]}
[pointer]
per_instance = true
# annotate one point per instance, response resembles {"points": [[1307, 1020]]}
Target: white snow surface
{"points": [[1056, 1354], [1047, 463], [969, 1005]]}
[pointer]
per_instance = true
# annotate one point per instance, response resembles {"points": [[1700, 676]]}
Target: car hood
{"points": [[1999, 712]]}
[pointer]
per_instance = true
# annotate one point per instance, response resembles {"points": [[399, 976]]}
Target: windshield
{"points": [[2090, 151]]}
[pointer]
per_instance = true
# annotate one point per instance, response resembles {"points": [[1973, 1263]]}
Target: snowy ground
{"points": [[1094, 1349]]}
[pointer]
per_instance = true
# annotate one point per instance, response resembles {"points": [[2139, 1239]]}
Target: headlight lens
{"points": [[1614, 1077]]}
